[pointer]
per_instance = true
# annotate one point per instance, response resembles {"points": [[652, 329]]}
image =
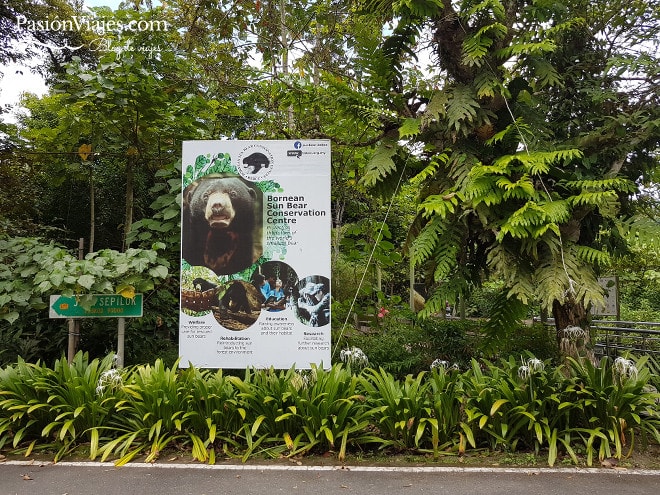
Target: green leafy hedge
{"points": [[574, 409]]}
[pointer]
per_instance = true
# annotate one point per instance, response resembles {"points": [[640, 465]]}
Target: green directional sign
{"points": [[103, 306]]}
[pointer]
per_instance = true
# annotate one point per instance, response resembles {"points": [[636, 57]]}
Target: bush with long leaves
{"points": [[24, 409], [122, 414], [610, 403], [398, 409], [152, 414], [215, 415], [332, 408]]}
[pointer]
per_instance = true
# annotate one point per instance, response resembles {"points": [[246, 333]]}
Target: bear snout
{"points": [[219, 211]]}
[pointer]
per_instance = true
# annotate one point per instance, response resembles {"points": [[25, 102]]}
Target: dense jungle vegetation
{"points": [[498, 155]]}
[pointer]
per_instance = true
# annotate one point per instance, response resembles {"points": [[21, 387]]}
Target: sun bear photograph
{"points": [[222, 223]]}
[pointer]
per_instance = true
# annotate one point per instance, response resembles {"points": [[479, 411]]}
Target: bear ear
{"points": [[189, 191]]}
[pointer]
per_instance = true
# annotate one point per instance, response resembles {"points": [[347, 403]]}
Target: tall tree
{"points": [[532, 138]]}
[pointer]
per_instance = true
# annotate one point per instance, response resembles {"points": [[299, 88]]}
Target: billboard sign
{"points": [[255, 254]]}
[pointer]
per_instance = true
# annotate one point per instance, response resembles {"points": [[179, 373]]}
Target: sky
{"points": [[18, 79]]}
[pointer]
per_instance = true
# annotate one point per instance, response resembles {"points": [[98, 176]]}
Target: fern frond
{"points": [[530, 48], [536, 162], [475, 47], [462, 108], [439, 204], [448, 290], [435, 109], [530, 220], [446, 252], [551, 283], [517, 127], [494, 6], [523, 188], [487, 85], [553, 279], [615, 183], [557, 211], [607, 199], [460, 166], [381, 164], [483, 190], [409, 128], [546, 74], [424, 244], [506, 313], [436, 162], [592, 255]]}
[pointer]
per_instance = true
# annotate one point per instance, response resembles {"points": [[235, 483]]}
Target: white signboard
{"points": [[611, 288], [255, 254]]}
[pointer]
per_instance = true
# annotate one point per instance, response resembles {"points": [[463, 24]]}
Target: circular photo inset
{"points": [[312, 301], [239, 305], [276, 282], [199, 291], [221, 223]]}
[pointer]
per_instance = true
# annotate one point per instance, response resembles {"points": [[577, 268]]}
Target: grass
{"points": [[484, 458]]}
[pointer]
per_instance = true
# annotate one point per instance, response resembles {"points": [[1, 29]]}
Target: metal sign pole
{"points": [[121, 326], [71, 350]]}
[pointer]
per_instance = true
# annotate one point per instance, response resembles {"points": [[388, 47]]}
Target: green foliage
{"points": [[333, 411], [400, 349], [206, 164], [402, 345], [31, 269], [151, 414], [509, 405], [609, 402], [165, 223], [397, 407]]}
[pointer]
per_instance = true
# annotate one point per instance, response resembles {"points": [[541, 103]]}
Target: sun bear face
{"points": [[222, 215], [223, 203]]}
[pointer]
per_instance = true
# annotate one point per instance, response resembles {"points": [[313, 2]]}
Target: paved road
{"points": [[20, 478]]}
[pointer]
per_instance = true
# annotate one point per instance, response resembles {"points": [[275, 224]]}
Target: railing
{"points": [[613, 338]]}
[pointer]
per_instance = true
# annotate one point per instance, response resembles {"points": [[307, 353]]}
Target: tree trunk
{"points": [[284, 40], [92, 208], [130, 179], [569, 313]]}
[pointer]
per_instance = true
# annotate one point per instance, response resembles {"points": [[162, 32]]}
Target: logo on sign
{"points": [[255, 162]]}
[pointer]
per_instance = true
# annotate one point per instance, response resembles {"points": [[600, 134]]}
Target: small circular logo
{"points": [[255, 162]]}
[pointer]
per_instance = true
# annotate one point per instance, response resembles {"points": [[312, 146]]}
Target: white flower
{"points": [[439, 363], [524, 372], [625, 368], [574, 333], [354, 356], [530, 366], [110, 378], [535, 364]]}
